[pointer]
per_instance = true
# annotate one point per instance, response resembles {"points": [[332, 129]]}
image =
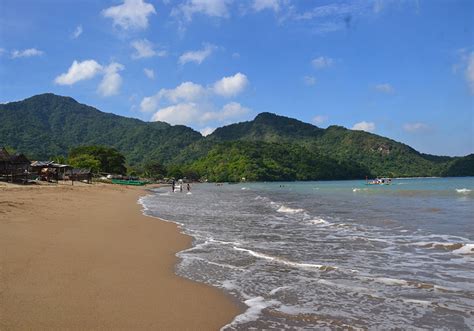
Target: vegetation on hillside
{"points": [[270, 147]]}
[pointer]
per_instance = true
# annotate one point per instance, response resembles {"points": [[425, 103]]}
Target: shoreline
{"points": [[82, 257]]}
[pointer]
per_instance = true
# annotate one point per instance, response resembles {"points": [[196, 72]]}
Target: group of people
{"points": [[173, 186]]}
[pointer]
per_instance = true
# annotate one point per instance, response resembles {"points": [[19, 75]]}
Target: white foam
{"points": [[278, 289], [463, 190], [391, 281], [244, 188], [318, 221], [255, 307], [285, 262], [466, 249], [288, 210], [189, 193]]}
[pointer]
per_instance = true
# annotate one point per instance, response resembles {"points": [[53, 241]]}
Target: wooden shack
{"points": [[13, 167]]}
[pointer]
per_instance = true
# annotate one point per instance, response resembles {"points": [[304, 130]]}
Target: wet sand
{"points": [[85, 257]]}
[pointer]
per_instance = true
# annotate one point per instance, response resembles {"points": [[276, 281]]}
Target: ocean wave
{"points": [[286, 262], [457, 248], [463, 190], [288, 210], [319, 221], [255, 307]]}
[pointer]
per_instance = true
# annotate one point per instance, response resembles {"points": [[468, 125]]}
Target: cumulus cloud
{"points": [[364, 126], [259, 5], [187, 91], [213, 8], [469, 73], [79, 71], [26, 53], [229, 111], [319, 119], [197, 56], [190, 103], [191, 113], [182, 113], [144, 48], [231, 86], [88, 69], [384, 88], [207, 131], [132, 14], [111, 82], [322, 62], [77, 32], [150, 73], [309, 80], [415, 127]]}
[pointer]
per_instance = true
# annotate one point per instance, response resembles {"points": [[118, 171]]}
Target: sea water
{"points": [[332, 255]]}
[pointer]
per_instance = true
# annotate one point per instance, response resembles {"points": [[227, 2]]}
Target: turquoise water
{"points": [[336, 254]]}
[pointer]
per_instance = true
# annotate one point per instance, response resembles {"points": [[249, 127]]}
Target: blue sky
{"points": [[402, 69]]}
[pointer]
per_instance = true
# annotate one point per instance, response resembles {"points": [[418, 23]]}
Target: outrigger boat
{"points": [[379, 181]]}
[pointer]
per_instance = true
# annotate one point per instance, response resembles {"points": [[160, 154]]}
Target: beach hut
{"points": [[13, 167], [49, 170]]}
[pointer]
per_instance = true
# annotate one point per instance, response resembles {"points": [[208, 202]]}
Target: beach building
{"points": [[13, 167]]}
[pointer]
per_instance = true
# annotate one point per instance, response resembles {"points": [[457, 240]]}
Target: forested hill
{"points": [[47, 125], [270, 147]]}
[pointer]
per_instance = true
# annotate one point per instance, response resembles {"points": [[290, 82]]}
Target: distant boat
{"points": [[379, 181]]}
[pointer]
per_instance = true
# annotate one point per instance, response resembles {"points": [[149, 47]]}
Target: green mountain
{"points": [[46, 125], [270, 147]]}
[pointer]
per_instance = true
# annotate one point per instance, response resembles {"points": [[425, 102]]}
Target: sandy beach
{"points": [[85, 257]]}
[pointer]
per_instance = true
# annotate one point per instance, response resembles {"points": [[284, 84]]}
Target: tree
{"points": [[85, 161], [110, 159], [154, 169]]}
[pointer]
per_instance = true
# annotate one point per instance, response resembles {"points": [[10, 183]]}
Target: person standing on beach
{"points": [[188, 186], [172, 186]]}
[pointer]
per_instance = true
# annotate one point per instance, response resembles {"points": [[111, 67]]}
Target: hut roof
{"points": [[48, 164], [4, 155]]}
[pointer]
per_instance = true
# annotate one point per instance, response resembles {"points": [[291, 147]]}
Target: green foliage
{"points": [[270, 147], [154, 169], [260, 161], [59, 159], [460, 167], [47, 124], [85, 161], [110, 160]]}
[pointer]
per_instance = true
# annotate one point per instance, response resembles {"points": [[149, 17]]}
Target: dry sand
{"points": [[84, 257]]}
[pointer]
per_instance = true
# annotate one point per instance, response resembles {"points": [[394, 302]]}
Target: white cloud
{"points": [[150, 73], [259, 5], [364, 126], [415, 127], [79, 71], [309, 80], [187, 91], [191, 113], [144, 48], [26, 53], [319, 119], [385, 88], [229, 111], [469, 73], [331, 10], [77, 32], [213, 8], [182, 113], [132, 14], [231, 86], [322, 62], [111, 82], [197, 56], [207, 131]]}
